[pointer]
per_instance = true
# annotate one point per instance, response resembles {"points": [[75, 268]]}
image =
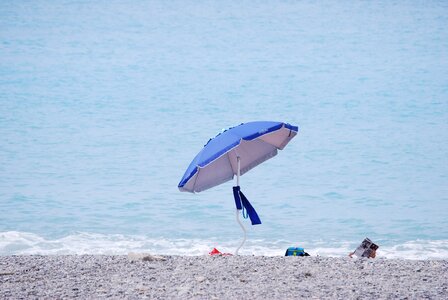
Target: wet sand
{"points": [[220, 277]]}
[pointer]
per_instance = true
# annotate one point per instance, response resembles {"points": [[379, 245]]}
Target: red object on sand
{"points": [[217, 252]]}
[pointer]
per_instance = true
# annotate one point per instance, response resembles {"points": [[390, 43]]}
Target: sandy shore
{"points": [[204, 277]]}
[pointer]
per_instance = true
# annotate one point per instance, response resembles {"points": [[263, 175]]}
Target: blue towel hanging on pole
{"points": [[241, 201]]}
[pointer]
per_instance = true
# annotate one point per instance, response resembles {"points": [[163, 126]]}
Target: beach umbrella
{"points": [[233, 152]]}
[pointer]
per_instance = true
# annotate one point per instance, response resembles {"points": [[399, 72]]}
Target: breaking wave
{"points": [[24, 243]]}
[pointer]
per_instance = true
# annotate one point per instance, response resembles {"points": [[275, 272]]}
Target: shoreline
{"points": [[219, 277]]}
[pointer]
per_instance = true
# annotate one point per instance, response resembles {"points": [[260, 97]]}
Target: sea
{"points": [[104, 104]]}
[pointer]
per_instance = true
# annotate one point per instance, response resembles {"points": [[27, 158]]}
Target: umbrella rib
{"points": [[230, 162], [196, 179]]}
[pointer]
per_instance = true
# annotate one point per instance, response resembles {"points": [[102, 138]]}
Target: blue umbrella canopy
{"points": [[253, 143]]}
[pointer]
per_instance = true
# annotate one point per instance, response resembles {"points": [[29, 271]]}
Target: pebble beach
{"points": [[219, 277]]}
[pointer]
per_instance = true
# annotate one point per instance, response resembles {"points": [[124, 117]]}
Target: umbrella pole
{"points": [[244, 230], [237, 211]]}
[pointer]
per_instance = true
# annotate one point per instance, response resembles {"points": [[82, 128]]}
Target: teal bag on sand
{"points": [[296, 251]]}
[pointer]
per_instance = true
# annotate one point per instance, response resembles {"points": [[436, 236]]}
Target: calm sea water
{"points": [[103, 104]]}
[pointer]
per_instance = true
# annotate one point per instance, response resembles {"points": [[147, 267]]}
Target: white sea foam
{"points": [[420, 249], [23, 243]]}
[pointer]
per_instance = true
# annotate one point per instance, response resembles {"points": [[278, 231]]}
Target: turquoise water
{"points": [[104, 104]]}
